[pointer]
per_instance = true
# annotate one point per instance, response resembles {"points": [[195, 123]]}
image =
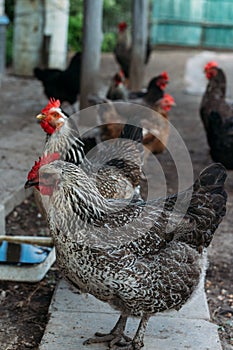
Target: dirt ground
{"points": [[24, 306]]}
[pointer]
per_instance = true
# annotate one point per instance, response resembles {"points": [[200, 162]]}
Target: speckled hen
{"points": [[122, 252]]}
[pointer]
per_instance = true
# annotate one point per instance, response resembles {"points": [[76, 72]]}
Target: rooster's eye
{"points": [[46, 176], [55, 115]]}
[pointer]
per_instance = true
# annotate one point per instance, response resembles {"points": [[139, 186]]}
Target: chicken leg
{"points": [[115, 335]]}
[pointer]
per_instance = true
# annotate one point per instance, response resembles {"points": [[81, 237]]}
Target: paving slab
{"points": [[17, 155], [15, 197], [75, 317]]}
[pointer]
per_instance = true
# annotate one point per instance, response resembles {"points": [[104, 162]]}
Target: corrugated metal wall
{"points": [[202, 23]]}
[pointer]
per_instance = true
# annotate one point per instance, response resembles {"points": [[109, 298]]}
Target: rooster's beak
{"points": [[31, 183], [40, 116]]}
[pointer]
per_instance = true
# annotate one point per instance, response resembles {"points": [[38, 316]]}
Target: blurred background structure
{"points": [[3, 24], [56, 25], [196, 23], [47, 33], [40, 34]]}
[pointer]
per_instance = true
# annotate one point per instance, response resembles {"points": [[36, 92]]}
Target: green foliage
{"points": [[9, 9], [9, 44], [75, 32], [109, 42], [114, 11], [75, 25]]}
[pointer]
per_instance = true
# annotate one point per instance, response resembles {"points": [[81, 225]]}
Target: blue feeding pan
{"points": [[23, 261]]}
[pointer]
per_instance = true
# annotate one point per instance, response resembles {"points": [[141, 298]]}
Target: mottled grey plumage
{"points": [[122, 253]]}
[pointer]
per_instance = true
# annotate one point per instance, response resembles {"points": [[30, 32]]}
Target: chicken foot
{"points": [[137, 342], [115, 335]]}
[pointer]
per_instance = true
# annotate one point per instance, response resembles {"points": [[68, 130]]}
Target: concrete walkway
{"points": [[17, 153], [75, 317]]}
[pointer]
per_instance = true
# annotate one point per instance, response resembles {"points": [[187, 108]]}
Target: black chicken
{"points": [[154, 91], [59, 84], [220, 134], [215, 90], [217, 116]]}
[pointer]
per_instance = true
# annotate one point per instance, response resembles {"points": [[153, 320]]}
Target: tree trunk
{"points": [[139, 33], [91, 52]]}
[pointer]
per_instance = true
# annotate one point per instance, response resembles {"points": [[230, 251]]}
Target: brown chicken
{"points": [[154, 122], [156, 128]]}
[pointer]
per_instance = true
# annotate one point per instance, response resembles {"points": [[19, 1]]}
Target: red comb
{"points": [[210, 65], [169, 98], [33, 173], [164, 75], [51, 104], [122, 26]]}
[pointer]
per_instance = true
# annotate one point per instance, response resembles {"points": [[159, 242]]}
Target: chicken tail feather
{"points": [[212, 180]]}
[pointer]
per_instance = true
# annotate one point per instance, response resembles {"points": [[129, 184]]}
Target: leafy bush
{"points": [[114, 11], [9, 9], [9, 44], [109, 42], [75, 32]]}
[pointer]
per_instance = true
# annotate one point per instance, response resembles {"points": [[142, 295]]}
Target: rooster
{"points": [[62, 85], [142, 258], [123, 49], [115, 179], [217, 116]]}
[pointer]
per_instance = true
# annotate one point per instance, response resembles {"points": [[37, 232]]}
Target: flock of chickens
{"points": [[142, 257]]}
